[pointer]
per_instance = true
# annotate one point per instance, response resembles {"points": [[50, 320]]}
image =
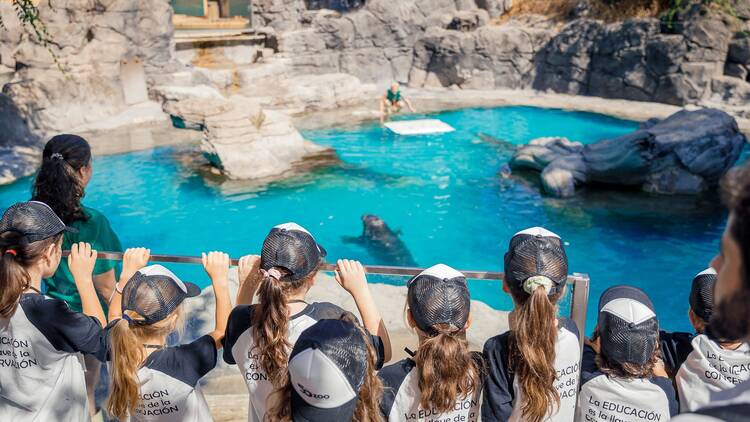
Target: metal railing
{"points": [[579, 282]]}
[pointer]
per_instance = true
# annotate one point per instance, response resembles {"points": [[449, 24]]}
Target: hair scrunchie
{"points": [[128, 319], [11, 252], [56, 156], [273, 273], [532, 283]]}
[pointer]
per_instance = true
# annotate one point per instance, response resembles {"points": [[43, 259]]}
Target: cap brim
{"points": [[304, 412], [323, 252], [192, 289], [70, 229]]}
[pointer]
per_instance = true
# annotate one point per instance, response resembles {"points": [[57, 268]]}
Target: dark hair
{"points": [[17, 256], [270, 321], [611, 367], [58, 183]]}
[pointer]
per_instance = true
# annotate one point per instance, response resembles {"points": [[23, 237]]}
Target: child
{"points": [[700, 364], [533, 368], [621, 378], [260, 336], [447, 382], [331, 376], [41, 339], [149, 380]]}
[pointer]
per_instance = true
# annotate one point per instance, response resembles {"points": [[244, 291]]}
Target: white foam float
{"points": [[419, 127]]}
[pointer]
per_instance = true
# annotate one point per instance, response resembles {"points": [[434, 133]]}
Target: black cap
{"points": [[439, 295], [154, 293], [536, 255], [702, 294], [327, 367], [628, 327], [32, 221], [291, 247]]}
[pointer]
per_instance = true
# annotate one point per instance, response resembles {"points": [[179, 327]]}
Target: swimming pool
{"points": [[445, 193]]}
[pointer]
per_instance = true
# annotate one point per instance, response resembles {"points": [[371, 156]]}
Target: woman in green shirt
{"points": [[66, 171]]}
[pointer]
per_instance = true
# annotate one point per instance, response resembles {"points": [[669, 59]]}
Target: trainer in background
{"points": [[66, 171], [731, 313]]}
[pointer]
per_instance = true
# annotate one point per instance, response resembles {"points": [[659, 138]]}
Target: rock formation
{"points": [[89, 40], [20, 151], [686, 153]]}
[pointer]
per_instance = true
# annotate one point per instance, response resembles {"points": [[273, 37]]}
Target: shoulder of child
{"points": [[186, 362], [568, 325], [327, 310]]}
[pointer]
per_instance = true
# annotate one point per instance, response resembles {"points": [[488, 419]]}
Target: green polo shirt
{"points": [[97, 231]]}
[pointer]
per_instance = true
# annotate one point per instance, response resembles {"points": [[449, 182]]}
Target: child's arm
{"points": [[81, 262], [408, 103], [351, 276], [248, 271], [217, 267], [133, 260]]}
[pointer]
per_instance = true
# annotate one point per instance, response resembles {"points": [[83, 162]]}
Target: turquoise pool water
{"points": [[445, 193]]}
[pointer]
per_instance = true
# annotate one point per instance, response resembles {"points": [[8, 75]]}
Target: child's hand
{"points": [[133, 260], [593, 343], [217, 266], [249, 266], [351, 276], [81, 261]]}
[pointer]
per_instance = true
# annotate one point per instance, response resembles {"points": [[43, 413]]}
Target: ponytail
{"points": [[532, 341], [17, 256], [127, 356], [447, 370], [58, 183], [270, 325]]}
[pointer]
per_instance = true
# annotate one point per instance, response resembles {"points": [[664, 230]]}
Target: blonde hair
{"points": [[128, 354]]}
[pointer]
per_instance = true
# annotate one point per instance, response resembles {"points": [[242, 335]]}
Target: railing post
{"points": [[579, 304]]}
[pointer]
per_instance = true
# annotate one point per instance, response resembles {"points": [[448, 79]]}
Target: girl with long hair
{"points": [[331, 376], [41, 338], [622, 374], [61, 183], [533, 369], [443, 379], [149, 380], [260, 336]]}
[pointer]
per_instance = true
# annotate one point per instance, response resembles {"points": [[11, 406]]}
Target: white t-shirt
{"points": [[702, 367], [41, 366], [239, 348], [728, 406], [169, 383], [502, 395], [401, 398]]}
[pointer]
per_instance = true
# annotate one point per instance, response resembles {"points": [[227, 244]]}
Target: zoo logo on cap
{"points": [[308, 368]]}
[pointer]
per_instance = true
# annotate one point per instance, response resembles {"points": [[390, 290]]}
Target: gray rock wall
{"points": [[90, 37]]}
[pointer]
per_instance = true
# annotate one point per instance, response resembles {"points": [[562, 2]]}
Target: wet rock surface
{"points": [[686, 153]]}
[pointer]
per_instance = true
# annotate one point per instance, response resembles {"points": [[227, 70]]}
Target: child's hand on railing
{"points": [[81, 262], [133, 260], [216, 265], [351, 276]]}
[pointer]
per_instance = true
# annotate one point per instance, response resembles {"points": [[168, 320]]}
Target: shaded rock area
{"points": [[20, 150], [686, 153]]}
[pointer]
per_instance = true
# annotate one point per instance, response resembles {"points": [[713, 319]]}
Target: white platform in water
{"points": [[419, 127]]}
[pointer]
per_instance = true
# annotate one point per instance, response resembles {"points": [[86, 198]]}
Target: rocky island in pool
{"points": [[610, 123]]}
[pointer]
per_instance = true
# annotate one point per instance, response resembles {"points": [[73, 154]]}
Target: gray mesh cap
{"points": [[702, 294], [628, 328], [154, 293], [327, 367], [439, 295], [536, 252], [32, 221], [293, 248]]}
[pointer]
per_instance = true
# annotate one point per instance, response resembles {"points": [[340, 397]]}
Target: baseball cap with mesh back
{"points": [[439, 295], [33, 221], [154, 293], [291, 247], [628, 327], [327, 367], [536, 252], [702, 294]]}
